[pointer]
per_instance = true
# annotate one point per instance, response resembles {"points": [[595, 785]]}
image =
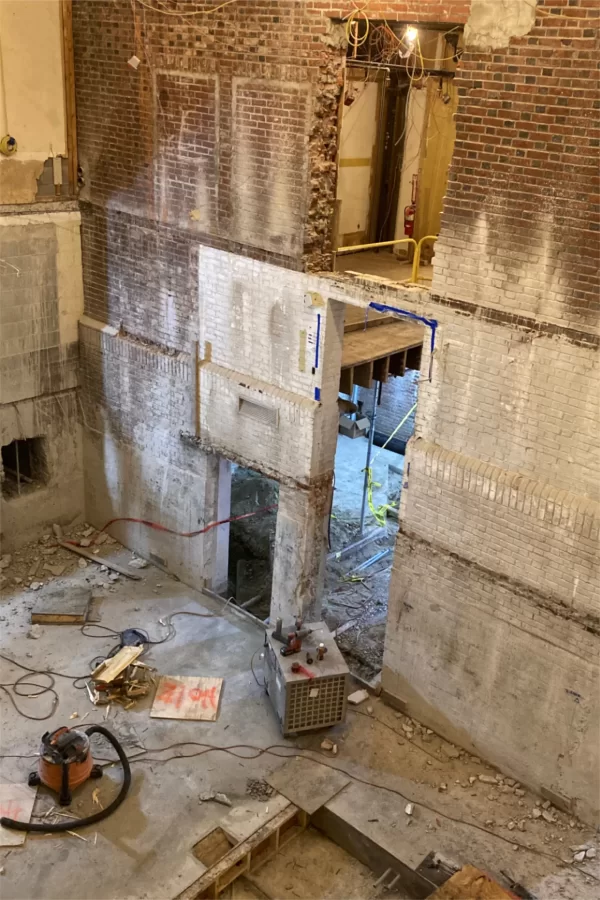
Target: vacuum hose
{"points": [[72, 824]]}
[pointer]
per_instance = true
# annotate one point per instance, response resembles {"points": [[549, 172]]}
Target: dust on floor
{"points": [[463, 808]]}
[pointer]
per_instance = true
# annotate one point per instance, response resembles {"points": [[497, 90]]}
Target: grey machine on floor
{"points": [[306, 677]]}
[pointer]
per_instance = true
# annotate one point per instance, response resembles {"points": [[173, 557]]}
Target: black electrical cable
{"points": [[73, 824], [39, 689]]}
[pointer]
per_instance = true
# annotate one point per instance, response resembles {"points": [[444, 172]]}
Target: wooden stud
{"points": [[346, 381], [66, 16], [363, 375], [398, 364], [381, 369]]}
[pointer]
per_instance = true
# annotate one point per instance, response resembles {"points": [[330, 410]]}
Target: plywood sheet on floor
{"points": [[16, 802], [182, 697]]}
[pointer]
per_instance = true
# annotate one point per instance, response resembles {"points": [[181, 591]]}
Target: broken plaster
{"points": [[492, 23]]}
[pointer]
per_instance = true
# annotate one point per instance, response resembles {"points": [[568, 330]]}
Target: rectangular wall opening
{"points": [[24, 466], [251, 540], [396, 142], [379, 378]]}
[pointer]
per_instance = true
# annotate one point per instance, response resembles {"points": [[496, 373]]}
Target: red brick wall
{"points": [[520, 223], [227, 133]]}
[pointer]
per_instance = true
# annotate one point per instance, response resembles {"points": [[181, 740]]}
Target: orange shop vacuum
{"points": [[65, 763]]}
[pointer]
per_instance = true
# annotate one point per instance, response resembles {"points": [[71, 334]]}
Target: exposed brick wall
{"points": [[520, 223]]}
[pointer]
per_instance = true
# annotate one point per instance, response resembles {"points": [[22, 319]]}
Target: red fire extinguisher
{"points": [[409, 219], [411, 210]]}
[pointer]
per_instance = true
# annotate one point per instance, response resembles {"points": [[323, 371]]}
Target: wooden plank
{"points": [[373, 343], [363, 375], [413, 358], [470, 883], [346, 381], [16, 802], [398, 364], [108, 670], [100, 560], [191, 697], [62, 606], [240, 856], [381, 369], [358, 318], [66, 17]]}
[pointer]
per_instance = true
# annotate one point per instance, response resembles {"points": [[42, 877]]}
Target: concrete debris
{"points": [[519, 792], [370, 710], [443, 787], [409, 809], [537, 813], [18, 580], [511, 826], [5, 561], [579, 857], [55, 570], [259, 789], [510, 782], [472, 779], [113, 576], [547, 816], [36, 585], [591, 853], [101, 538], [82, 564], [85, 542], [407, 728], [453, 753], [546, 804], [137, 563], [329, 745], [35, 632], [218, 797], [488, 779], [88, 532]]}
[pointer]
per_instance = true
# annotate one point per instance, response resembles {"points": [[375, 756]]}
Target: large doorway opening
{"points": [[254, 499], [379, 378], [396, 142]]}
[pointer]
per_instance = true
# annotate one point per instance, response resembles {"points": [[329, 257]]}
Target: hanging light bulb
{"points": [[411, 34]]}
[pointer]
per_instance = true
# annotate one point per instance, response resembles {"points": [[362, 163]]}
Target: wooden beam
{"points": [[375, 343], [398, 364], [363, 375], [381, 368], [100, 561], [346, 381], [413, 358], [66, 16]]}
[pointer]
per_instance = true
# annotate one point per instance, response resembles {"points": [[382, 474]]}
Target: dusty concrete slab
{"points": [[307, 784]]}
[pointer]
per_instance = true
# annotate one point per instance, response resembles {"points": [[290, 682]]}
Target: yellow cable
{"points": [[197, 12]]}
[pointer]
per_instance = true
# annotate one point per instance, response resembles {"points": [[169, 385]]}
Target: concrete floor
{"points": [[144, 849], [383, 263]]}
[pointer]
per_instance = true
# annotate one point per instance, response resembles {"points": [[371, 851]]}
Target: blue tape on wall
{"points": [[317, 393], [318, 340], [431, 323]]}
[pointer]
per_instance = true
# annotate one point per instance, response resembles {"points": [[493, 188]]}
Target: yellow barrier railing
{"points": [[357, 247], [417, 257], [414, 279]]}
